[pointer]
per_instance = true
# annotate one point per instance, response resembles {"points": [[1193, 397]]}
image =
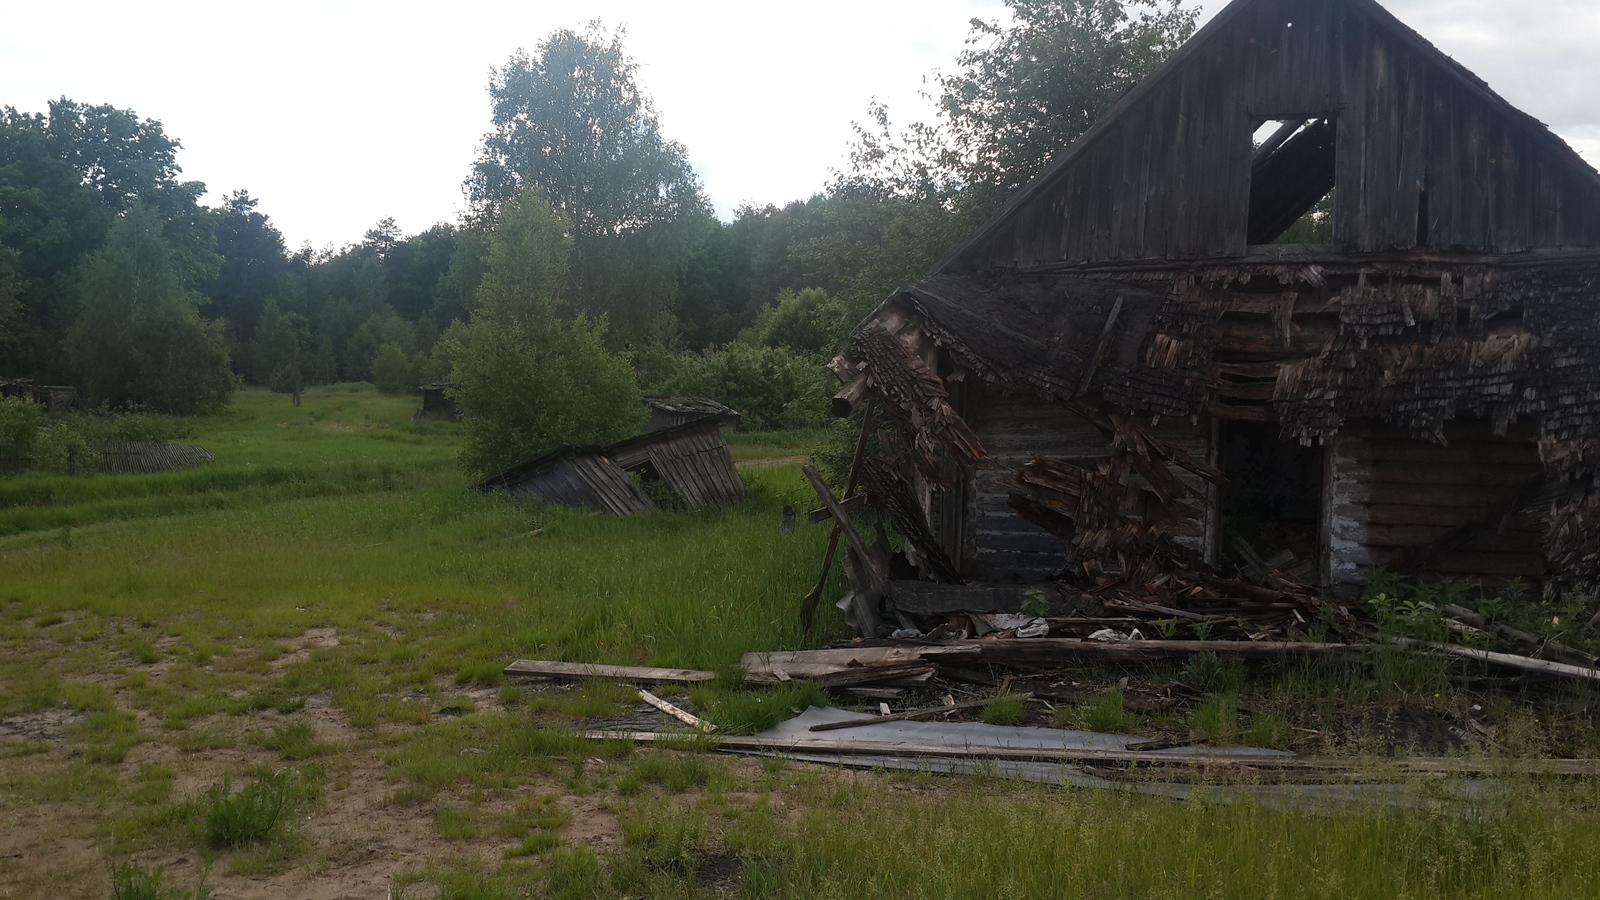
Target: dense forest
{"points": [[587, 227]]}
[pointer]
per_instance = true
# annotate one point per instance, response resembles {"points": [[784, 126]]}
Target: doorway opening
{"points": [[1271, 499]]}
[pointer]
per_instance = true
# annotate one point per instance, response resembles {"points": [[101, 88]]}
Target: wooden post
{"points": [[808, 606]]}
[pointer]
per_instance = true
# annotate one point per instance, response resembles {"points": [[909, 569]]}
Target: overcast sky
{"points": [[336, 114]]}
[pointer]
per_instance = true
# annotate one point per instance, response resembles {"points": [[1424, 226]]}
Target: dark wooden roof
{"points": [[1425, 154], [692, 459]]}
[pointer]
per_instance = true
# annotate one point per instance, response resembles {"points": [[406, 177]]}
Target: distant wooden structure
{"points": [[1121, 362], [55, 398], [667, 412], [692, 460], [436, 403], [145, 458]]}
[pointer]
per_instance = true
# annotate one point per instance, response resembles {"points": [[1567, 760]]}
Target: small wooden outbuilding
{"points": [[1122, 364], [691, 461], [437, 402]]}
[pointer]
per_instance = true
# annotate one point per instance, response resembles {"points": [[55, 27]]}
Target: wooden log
{"points": [[861, 675], [1106, 333], [1246, 763], [673, 711], [541, 668], [1527, 664]]}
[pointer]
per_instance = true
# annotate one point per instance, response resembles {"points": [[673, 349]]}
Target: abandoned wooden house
{"points": [[55, 398], [686, 465], [665, 412], [1129, 366]]}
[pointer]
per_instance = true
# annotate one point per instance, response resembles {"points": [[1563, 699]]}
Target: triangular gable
{"points": [[1425, 155]]}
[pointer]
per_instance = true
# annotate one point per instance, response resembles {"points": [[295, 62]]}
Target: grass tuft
{"points": [[1005, 709], [234, 821]]}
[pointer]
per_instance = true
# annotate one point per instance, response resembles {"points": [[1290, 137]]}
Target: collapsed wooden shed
{"points": [[665, 412], [1120, 368], [691, 462], [55, 398]]}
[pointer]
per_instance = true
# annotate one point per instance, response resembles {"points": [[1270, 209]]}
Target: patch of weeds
{"points": [[456, 823], [1005, 709], [154, 785], [665, 839], [1216, 720], [510, 695], [1267, 731], [487, 672], [676, 773], [234, 821], [1212, 674], [201, 740], [145, 652], [739, 711], [573, 873], [536, 844], [541, 814], [772, 765], [593, 699], [1104, 713], [107, 736], [131, 881], [473, 886], [87, 697], [48, 620], [293, 740]]}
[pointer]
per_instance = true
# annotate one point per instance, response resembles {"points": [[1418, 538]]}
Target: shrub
{"points": [[20, 421], [771, 387], [233, 821], [393, 371]]}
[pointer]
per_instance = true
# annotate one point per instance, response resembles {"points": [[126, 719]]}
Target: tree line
{"points": [[588, 268]]}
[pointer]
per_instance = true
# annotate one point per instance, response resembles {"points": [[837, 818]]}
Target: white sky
{"points": [[336, 114]]}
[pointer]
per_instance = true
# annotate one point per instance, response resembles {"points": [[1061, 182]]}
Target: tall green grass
{"points": [[338, 441]]}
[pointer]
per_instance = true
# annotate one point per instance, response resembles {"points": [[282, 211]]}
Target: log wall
{"points": [[997, 544], [1388, 494]]}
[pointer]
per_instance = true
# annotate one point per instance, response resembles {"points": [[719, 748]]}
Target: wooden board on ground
{"points": [[543, 668]]}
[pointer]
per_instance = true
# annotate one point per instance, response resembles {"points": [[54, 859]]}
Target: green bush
{"points": [[771, 387], [527, 379], [233, 821], [393, 371], [20, 421], [1005, 709]]}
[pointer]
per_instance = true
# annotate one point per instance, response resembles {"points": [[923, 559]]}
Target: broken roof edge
{"points": [[616, 448], [1192, 47]]}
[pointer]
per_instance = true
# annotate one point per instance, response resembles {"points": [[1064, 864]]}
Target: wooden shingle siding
{"points": [[1000, 545], [1390, 493]]}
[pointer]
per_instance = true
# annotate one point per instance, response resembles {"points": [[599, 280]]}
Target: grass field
{"points": [[279, 675]]}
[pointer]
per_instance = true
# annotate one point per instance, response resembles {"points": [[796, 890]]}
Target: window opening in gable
{"points": [[1291, 182]]}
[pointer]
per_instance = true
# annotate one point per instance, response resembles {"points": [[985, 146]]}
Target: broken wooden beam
{"points": [[849, 504], [1512, 660], [689, 719], [844, 402], [542, 668]]}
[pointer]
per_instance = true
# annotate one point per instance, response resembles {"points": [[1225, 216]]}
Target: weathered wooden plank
{"points": [[542, 668]]}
